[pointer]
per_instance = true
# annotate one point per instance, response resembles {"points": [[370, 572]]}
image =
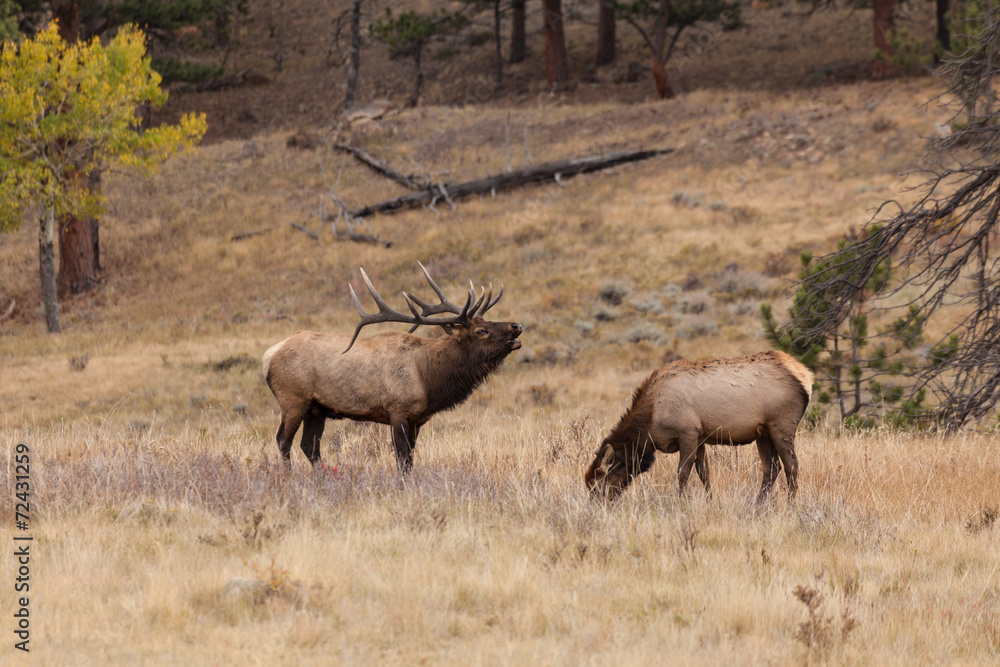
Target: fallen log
{"points": [[379, 167], [508, 180]]}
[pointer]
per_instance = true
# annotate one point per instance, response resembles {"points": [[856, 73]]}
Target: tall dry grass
{"points": [[492, 553]]}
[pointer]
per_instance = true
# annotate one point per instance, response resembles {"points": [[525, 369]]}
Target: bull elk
{"points": [[392, 378], [687, 405]]}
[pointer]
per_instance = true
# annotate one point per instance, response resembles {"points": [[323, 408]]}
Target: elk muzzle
{"points": [[515, 330]]}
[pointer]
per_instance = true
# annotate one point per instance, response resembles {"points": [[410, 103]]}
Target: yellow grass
{"points": [[154, 474], [492, 553]]}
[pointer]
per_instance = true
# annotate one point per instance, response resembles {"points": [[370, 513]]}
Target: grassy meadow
{"points": [[166, 532]]}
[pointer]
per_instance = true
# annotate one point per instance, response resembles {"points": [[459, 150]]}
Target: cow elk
{"points": [[687, 405], [392, 378]]}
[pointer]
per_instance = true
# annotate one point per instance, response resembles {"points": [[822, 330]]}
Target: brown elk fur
{"points": [[687, 405], [391, 378]]}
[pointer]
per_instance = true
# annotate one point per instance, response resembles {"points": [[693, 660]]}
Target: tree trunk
{"points": [[76, 255], [496, 35], [943, 34], [77, 263], [415, 97], [94, 183], [606, 34], [47, 268], [659, 44], [352, 70], [556, 62], [517, 33], [884, 20], [67, 18]]}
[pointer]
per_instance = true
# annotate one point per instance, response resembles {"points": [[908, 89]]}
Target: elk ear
{"points": [[606, 459], [453, 329]]}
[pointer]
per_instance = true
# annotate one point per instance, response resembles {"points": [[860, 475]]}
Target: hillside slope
{"points": [[693, 241]]}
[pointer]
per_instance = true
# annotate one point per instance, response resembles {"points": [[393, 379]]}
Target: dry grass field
{"points": [[491, 553], [166, 532]]}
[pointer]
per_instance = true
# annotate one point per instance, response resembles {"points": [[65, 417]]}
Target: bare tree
{"points": [[497, 39], [659, 43], [352, 70], [606, 33], [941, 17], [556, 61], [942, 250], [517, 31], [884, 27]]}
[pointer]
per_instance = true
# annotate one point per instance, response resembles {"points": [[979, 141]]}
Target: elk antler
{"points": [[479, 308], [445, 306], [387, 314], [482, 304]]}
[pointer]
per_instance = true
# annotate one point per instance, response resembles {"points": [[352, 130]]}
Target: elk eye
{"points": [[482, 333]]}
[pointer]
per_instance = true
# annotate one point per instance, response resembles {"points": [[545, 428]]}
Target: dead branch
{"points": [[356, 237], [10, 311], [304, 230], [350, 237], [506, 140], [379, 167], [558, 171], [239, 236]]}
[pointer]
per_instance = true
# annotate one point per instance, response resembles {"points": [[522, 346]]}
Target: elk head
{"points": [[607, 476], [615, 466]]}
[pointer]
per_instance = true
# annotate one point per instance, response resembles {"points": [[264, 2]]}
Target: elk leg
{"points": [[412, 434], [701, 466], [689, 453], [312, 433], [291, 418], [786, 450], [770, 466], [401, 433]]}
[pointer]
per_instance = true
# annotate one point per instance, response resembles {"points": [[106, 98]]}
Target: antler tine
{"points": [[490, 302], [484, 302], [438, 291], [383, 307], [413, 308], [384, 314], [496, 300], [364, 315], [477, 306]]}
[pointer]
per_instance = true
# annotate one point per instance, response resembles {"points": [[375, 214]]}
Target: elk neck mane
{"points": [[455, 372], [632, 430]]}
